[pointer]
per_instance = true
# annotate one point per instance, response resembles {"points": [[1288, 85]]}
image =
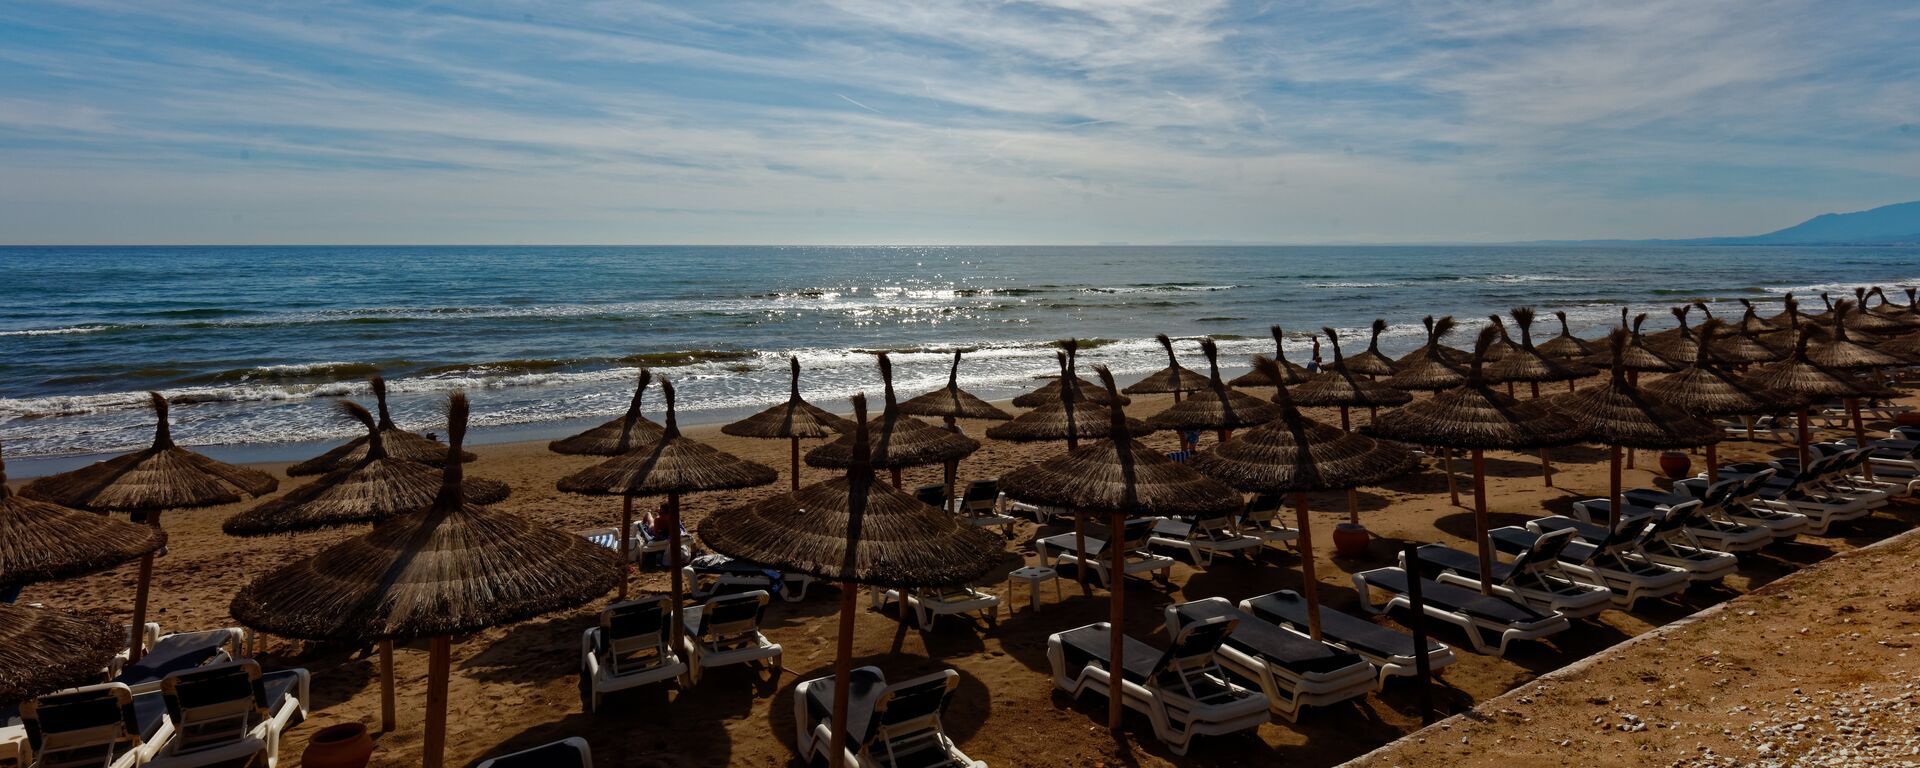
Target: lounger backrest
{"points": [[733, 618], [566, 753], [905, 728], [1188, 667], [1135, 534], [214, 705], [1214, 529], [1544, 551], [982, 491], [1629, 532], [1677, 517], [931, 495], [1750, 487], [1719, 493], [81, 727], [633, 635]]}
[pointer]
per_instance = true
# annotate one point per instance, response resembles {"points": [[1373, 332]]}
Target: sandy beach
{"points": [[516, 686]]}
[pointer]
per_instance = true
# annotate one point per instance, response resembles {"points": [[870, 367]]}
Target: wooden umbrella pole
{"points": [[1804, 416], [842, 670], [1536, 389], [1480, 522], [1713, 463], [387, 720], [1613, 495], [1629, 458], [1116, 597], [1081, 558], [439, 653], [1353, 506], [1570, 387], [1309, 584], [136, 643], [1860, 435], [952, 477], [626, 540], [1345, 426], [1453, 483], [1546, 468], [673, 564], [795, 440], [895, 472]]}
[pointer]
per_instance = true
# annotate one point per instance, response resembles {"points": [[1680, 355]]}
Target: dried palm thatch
{"points": [[1902, 314], [1119, 474], [1528, 365], [1732, 347], [855, 529], [1566, 346], [1433, 366], [1799, 375], [400, 443], [1905, 347], [617, 436], [1751, 324], [1475, 416], [899, 441], [44, 650], [795, 418], [1841, 353], [1371, 362], [1863, 320], [952, 402], [1064, 419], [1340, 386], [452, 569], [1637, 357], [1675, 345], [45, 542], [1295, 453], [1503, 346], [1620, 414], [163, 476], [1216, 407], [379, 487], [673, 464], [1293, 374], [1702, 389], [1085, 391], [1174, 378]]}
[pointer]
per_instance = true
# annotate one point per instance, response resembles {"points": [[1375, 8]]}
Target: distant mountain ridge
{"points": [[1896, 224]]}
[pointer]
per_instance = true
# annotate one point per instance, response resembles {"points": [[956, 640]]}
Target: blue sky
{"points": [[878, 121]]}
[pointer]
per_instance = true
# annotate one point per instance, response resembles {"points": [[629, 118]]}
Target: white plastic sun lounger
{"points": [[1202, 540], [711, 574], [1698, 526], [1389, 651], [1293, 670], [929, 604], [629, 649], [96, 726], [1613, 563], [1262, 518], [888, 726], [1490, 622], [1730, 500], [726, 630], [1535, 578], [1057, 551], [179, 652], [1182, 690], [230, 712], [983, 505], [571, 752], [1701, 565], [1809, 493]]}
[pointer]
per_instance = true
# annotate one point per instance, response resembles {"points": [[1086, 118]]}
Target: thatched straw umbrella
{"points": [[1837, 352], [1338, 385], [1906, 315], [1808, 382], [794, 420], [1174, 378], [43, 650], [1216, 407], [1705, 391], [1752, 324], [1476, 417], [899, 441], [1676, 345], [1434, 367], [1619, 414], [1905, 346], [631, 430], [1566, 346], [673, 465], [145, 483], [1370, 362], [378, 487], [951, 402], [1527, 364], [453, 569], [853, 530], [1866, 321], [46, 542], [1730, 345], [1638, 358], [1124, 478], [1088, 392], [1293, 374], [1295, 454], [400, 443]]}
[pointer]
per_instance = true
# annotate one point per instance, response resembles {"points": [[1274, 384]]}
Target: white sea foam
{"points": [[56, 331]]}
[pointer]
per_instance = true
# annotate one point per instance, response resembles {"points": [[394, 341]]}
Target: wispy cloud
{"points": [[971, 120]]}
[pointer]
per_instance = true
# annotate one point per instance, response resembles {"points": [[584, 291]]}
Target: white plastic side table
{"points": [[1034, 576]]}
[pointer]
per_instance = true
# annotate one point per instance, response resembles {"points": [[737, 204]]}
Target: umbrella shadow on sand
{"points": [[1461, 524], [339, 674], [626, 735], [525, 653]]}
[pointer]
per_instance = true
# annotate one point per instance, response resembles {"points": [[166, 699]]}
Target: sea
{"points": [[251, 343]]}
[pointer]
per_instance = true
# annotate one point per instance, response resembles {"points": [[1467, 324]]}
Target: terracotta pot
{"points": [[1908, 419], [346, 745], [1676, 464], [1350, 540]]}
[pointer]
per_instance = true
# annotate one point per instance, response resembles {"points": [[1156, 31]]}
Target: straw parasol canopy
{"points": [[1433, 366], [1064, 419], [1174, 378], [899, 440], [1293, 374], [1371, 362], [1529, 365], [1865, 320], [1566, 346], [673, 464], [379, 487], [1620, 415], [1798, 375], [1676, 345], [44, 542], [1731, 346], [1905, 347], [400, 443], [1505, 345], [1751, 324], [1087, 391], [951, 402], [1703, 389], [1216, 407], [1637, 356], [631, 430], [1295, 454], [1839, 352], [1338, 385], [43, 650], [795, 418], [163, 476]]}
